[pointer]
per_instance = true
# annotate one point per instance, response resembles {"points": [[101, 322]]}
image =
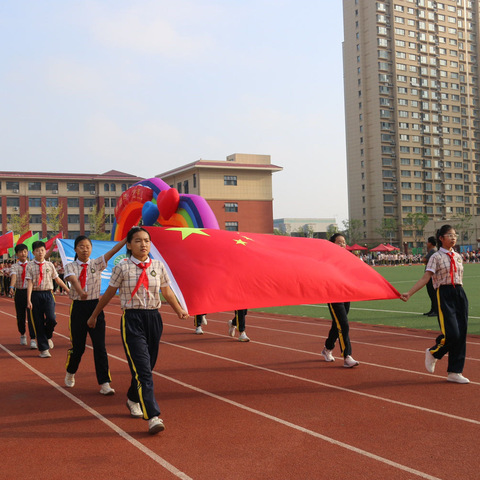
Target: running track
{"points": [[268, 409]]}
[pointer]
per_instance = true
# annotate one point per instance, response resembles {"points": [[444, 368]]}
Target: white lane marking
{"points": [[156, 458]]}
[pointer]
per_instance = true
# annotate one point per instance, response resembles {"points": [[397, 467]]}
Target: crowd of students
{"points": [[139, 279]]}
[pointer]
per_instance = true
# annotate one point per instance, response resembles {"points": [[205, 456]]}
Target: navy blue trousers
{"points": [[22, 310], [453, 319], [43, 317], [80, 312], [141, 333], [239, 319], [340, 328]]}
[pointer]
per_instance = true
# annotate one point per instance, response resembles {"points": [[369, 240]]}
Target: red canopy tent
{"points": [[355, 247], [382, 248], [392, 247]]}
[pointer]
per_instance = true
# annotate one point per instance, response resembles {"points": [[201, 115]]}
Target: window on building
{"points": [[13, 202], [73, 187], [231, 207], [89, 202], [231, 226], [73, 202], [194, 180], [34, 202], [89, 187], [51, 202], [35, 218], [12, 185], [51, 186], [73, 218], [107, 203], [113, 187], [113, 202], [185, 187], [106, 187], [230, 180], [179, 187]]}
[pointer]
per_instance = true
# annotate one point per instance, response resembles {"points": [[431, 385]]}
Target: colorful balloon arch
{"points": [[153, 201]]}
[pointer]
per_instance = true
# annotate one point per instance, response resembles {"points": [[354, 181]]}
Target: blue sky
{"points": [[146, 86]]}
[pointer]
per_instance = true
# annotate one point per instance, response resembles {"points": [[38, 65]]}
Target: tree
{"points": [[387, 229], [20, 223], [54, 219], [417, 221], [331, 230], [463, 227], [97, 224], [352, 231]]}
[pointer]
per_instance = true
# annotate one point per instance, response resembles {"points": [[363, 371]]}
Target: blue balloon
{"points": [[150, 214]]}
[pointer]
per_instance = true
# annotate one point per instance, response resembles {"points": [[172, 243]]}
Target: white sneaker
{"points": [[199, 331], [243, 337], [349, 362], [327, 355], [45, 354], [69, 380], [155, 425], [231, 328], [106, 389], [457, 378], [50, 344], [23, 339], [204, 320], [33, 344], [135, 409], [430, 361]]}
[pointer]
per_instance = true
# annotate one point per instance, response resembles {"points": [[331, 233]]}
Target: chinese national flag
{"points": [[218, 270], [6, 242]]}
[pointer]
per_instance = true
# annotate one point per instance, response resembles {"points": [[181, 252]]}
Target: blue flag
{"points": [[99, 248]]}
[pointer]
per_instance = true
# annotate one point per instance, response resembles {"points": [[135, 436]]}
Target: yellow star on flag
{"points": [[240, 242], [186, 231]]}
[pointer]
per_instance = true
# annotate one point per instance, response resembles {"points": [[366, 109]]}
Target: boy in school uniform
{"points": [[18, 287], [40, 300]]}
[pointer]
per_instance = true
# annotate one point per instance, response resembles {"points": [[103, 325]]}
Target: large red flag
{"points": [[6, 242], [49, 243], [219, 270], [24, 237]]}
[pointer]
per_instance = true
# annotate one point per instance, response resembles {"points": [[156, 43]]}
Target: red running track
{"points": [[268, 409]]}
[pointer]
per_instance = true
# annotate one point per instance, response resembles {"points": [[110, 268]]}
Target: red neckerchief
{"points": [[143, 279], [24, 266], [83, 275], [40, 267], [453, 267]]}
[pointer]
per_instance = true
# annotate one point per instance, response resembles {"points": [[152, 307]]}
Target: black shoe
{"points": [[428, 313], [432, 314]]}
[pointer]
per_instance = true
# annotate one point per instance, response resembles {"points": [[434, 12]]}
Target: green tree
{"points": [[331, 230], [387, 229], [464, 227], [96, 218], [20, 224], [352, 230], [54, 219], [417, 222]]}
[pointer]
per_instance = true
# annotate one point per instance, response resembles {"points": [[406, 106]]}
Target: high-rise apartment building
{"points": [[412, 115]]}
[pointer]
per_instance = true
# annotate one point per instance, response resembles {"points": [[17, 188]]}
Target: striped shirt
{"points": [[439, 265], [49, 274], [125, 276], [17, 269], [94, 276]]}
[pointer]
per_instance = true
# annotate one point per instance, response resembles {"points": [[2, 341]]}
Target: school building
{"points": [[77, 195], [238, 189]]}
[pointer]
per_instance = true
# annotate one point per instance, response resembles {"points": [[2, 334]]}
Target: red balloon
{"points": [[167, 202]]}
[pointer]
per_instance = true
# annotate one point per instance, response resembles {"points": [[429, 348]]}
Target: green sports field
{"points": [[396, 312]]}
